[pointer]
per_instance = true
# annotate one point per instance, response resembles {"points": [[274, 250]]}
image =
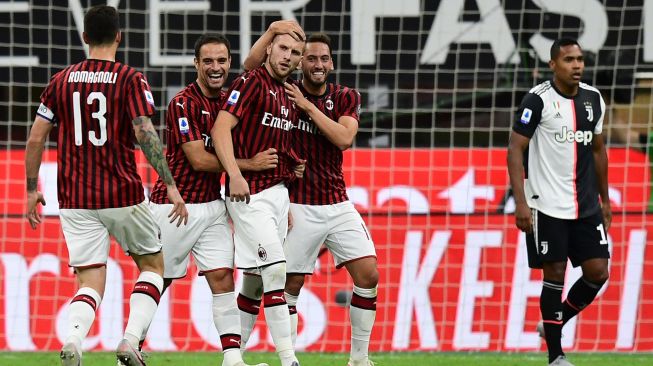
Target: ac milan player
{"points": [[197, 170], [319, 205], [557, 146], [258, 115], [96, 104]]}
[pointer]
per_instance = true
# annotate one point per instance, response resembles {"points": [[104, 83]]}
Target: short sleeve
{"points": [[529, 115], [239, 96], [598, 129], [183, 119], [139, 99], [349, 103], [48, 104]]}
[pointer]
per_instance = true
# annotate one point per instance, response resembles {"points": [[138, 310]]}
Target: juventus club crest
{"points": [[590, 111]]}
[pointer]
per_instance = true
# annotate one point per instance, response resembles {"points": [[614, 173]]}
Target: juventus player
{"points": [[258, 115], [557, 146], [197, 170], [320, 208], [96, 104]]}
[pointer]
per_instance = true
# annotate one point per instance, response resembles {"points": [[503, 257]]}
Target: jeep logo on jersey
{"points": [[233, 97], [590, 111], [262, 254], [526, 116], [567, 135]]}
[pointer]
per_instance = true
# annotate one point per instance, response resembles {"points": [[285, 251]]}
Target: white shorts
{"points": [[260, 227], [207, 235], [339, 226], [87, 233]]}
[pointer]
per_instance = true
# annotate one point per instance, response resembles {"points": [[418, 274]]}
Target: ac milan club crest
{"points": [[262, 254]]}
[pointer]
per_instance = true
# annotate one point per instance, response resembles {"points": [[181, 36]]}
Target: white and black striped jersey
{"points": [[559, 163]]}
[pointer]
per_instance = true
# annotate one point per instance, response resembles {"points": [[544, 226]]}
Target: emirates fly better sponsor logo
{"points": [[567, 135]]}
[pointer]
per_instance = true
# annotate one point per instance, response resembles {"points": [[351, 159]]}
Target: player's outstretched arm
{"points": [[151, 146], [258, 52], [224, 148], [340, 134], [601, 167], [516, 148], [33, 154]]}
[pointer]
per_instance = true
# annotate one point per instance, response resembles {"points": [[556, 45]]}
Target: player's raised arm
{"points": [[152, 148], [224, 147], [257, 53], [341, 132], [33, 153]]}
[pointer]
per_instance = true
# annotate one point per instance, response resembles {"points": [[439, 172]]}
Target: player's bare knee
{"points": [[367, 279], [220, 281], [149, 262], [294, 283], [598, 276], [555, 271]]}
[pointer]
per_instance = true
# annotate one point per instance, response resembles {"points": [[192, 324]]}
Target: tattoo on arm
{"points": [[32, 184], [152, 148]]}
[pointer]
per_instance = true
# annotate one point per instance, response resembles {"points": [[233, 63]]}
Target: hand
{"points": [[296, 96], [264, 160], [607, 215], [238, 189], [33, 198], [178, 212], [290, 220], [290, 27], [524, 218], [300, 168]]}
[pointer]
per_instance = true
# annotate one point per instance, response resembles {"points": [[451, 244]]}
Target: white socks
{"points": [[276, 311], [294, 318], [142, 305], [82, 314], [249, 304], [362, 313], [226, 318]]}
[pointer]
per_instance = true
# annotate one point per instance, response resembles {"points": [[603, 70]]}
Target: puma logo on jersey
{"points": [[280, 298], [567, 135], [180, 105], [244, 78], [274, 94], [205, 112]]}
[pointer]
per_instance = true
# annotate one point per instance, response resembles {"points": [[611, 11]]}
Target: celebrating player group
{"points": [[285, 190], [279, 142]]}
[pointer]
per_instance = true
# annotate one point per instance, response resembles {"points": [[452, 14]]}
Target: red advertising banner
{"points": [[448, 280]]}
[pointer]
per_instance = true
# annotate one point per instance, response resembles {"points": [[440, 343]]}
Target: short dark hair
{"points": [[321, 38], [562, 42], [101, 24], [211, 38]]}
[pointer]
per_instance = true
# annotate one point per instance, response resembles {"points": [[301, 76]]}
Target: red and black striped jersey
{"points": [[323, 182], [94, 102], [266, 119], [190, 117]]}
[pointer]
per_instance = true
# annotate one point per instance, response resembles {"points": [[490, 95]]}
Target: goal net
{"points": [[440, 83]]}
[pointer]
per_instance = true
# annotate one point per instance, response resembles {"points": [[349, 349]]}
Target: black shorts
{"points": [[555, 240]]}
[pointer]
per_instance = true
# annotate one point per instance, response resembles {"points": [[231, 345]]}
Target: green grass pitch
{"points": [[335, 359]]}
